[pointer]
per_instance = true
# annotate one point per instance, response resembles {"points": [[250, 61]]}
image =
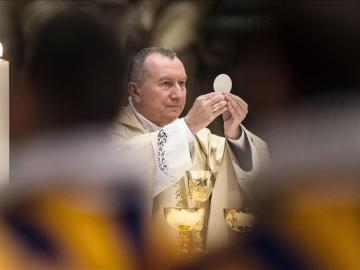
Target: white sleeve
{"points": [[239, 143], [172, 154], [237, 146]]}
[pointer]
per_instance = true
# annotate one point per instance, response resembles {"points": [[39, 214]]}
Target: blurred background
{"points": [[278, 54], [296, 64]]}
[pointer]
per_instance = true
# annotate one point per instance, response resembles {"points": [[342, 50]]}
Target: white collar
{"points": [[147, 124]]}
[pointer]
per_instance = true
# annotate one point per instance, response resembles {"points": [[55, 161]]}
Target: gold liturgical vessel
{"points": [[199, 190], [184, 220], [239, 220]]}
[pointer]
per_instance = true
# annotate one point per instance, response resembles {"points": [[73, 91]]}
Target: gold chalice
{"points": [[239, 220], [184, 221], [199, 186], [199, 190]]}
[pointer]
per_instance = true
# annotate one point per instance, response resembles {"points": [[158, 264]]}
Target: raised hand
{"points": [[233, 117], [204, 110]]}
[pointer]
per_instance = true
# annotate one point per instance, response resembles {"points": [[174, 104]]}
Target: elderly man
{"points": [[173, 145]]}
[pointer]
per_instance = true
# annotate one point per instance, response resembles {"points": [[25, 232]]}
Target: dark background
{"points": [[280, 55]]}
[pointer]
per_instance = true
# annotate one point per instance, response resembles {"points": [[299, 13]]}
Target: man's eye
{"points": [[182, 83], [166, 83]]}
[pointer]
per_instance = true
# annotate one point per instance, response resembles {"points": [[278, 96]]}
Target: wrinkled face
{"points": [[161, 96]]}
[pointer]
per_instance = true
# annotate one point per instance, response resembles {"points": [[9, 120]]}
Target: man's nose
{"points": [[176, 91]]}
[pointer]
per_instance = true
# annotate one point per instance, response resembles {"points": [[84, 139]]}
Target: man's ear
{"points": [[134, 91]]}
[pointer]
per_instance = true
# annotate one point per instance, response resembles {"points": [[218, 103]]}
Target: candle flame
{"points": [[1, 50]]}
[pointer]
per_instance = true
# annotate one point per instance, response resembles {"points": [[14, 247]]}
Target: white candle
{"points": [[4, 119]]}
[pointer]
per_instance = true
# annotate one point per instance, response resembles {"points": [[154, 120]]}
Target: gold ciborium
{"points": [[199, 190], [184, 221], [239, 220]]}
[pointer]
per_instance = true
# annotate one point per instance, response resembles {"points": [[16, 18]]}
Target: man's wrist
{"points": [[190, 125], [235, 134]]}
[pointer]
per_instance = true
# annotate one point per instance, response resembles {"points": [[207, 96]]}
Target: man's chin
{"points": [[174, 111], [171, 118]]}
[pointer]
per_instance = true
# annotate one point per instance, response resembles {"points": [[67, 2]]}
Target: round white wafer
{"points": [[222, 83]]}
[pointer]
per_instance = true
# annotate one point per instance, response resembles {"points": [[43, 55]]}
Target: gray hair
{"points": [[137, 71]]}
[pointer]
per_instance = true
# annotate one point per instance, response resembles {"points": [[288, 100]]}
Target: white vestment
{"points": [[171, 150]]}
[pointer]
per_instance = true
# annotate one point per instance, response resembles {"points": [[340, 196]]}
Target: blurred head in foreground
{"points": [[309, 208], [73, 202], [73, 73]]}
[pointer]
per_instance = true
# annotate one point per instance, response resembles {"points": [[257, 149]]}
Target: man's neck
{"points": [[146, 123]]}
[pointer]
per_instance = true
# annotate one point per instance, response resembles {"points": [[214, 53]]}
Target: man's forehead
{"points": [[158, 57], [161, 65]]}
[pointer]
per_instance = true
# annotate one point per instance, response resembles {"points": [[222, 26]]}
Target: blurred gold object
{"points": [[184, 220], [77, 220], [199, 190], [239, 220]]}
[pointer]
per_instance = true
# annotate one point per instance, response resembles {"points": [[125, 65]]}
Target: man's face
{"points": [[161, 96]]}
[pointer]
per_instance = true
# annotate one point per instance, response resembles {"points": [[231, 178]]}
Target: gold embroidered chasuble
{"points": [[210, 152]]}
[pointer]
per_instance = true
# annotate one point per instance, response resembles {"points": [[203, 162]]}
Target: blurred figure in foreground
{"points": [[73, 203], [308, 207]]}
